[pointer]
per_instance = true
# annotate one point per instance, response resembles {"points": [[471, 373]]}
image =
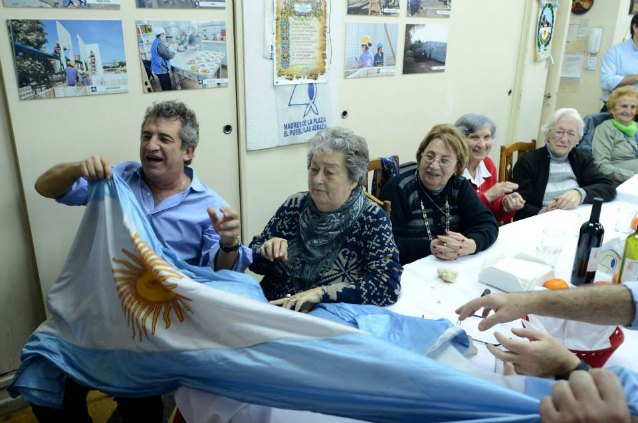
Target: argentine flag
{"points": [[131, 319]]}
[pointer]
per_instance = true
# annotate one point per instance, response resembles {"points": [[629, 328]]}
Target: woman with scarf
{"points": [[558, 176], [615, 143], [330, 244], [435, 210]]}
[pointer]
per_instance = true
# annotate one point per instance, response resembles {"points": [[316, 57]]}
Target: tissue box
{"points": [[516, 274]]}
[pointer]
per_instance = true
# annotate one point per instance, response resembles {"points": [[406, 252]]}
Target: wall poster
{"points": [[65, 4], [374, 7], [545, 29], [68, 58], [181, 4], [370, 50], [425, 48], [429, 8], [300, 41], [182, 55]]}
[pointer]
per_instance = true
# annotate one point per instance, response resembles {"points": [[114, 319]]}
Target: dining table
{"points": [[425, 294]]}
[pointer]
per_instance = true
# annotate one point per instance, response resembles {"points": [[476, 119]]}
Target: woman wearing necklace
{"points": [[499, 197], [330, 244], [615, 143], [558, 176], [435, 210]]}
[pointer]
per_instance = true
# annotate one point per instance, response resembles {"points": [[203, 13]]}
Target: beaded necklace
{"points": [[424, 213]]}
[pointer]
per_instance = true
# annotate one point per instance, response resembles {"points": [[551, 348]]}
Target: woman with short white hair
{"points": [[558, 176]]}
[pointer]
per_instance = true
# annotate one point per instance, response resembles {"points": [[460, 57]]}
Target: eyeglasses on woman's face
{"points": [[430, 158]]}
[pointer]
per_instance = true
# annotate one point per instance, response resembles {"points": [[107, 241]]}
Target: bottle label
{"points": [[630, 270], [594, 258]]}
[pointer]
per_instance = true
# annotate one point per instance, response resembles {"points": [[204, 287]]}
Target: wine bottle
{"points": [[590, 239], [629, 264]]}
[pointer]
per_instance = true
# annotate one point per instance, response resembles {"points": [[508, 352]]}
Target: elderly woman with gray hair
{"points": [[558, 176], [499, 197], [330, 244]]}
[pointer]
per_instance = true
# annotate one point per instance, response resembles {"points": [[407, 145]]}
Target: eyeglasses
{"points": [[570, 134], [443, 161]]}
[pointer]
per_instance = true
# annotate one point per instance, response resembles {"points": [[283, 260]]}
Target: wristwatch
{"points": [[232, 247], [581, 366]]}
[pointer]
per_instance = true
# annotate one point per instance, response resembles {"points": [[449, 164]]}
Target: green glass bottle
{"points": [[629, 264]]}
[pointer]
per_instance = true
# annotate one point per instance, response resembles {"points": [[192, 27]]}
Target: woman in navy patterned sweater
{"points": [[330, 244]]}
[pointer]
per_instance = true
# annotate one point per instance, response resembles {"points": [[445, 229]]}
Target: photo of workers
{"points": [[373, 7], [429, 8], [68, 58], [425, 48], [370, 50], [181, 4], [64, 4], [182, 55]]}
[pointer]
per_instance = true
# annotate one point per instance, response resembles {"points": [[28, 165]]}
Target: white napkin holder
{"points": [[516, 274]]}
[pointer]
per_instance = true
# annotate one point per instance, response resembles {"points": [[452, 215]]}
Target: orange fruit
{"points": [[556, 283], [634, 223], [614, 278], [602, 283]]}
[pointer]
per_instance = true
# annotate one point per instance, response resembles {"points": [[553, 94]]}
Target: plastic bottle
{"points": [[629, 264], [590, 239]]}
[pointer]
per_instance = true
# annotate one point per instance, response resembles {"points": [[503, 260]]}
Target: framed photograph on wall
{"points": [[68, 58], [425, 48], [64, 4], [370, 50], [181, 4], [633, 7], [182, 54], [374, 7]]}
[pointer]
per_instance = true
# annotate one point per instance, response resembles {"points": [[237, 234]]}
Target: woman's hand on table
{"points": [[513, 201], [569, 200], [274, 249], [451, 246], [544, 356], [302, 301]]}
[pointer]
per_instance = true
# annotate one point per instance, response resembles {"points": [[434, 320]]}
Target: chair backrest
{"points": [[506, 165], [382, 168], [591, 122]]}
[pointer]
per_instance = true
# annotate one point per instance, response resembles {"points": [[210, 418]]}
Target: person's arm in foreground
{"points": [[603, 305], [593, 396], [60, 178]]}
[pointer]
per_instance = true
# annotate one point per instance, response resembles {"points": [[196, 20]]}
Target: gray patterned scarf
{"points": [[320, 237]]}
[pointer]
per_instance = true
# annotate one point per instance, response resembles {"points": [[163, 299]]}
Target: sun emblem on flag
{"points": [[143, 283]]}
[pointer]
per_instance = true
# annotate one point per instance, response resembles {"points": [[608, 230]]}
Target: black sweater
{"points": [[468, 215], [531, 173]]}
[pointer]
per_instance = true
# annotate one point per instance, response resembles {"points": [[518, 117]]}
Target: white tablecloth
{"points": [[628, 190], [423, 293]]}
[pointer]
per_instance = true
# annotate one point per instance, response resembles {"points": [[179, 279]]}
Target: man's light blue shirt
{"points": [[180, 221], [620, 60]]}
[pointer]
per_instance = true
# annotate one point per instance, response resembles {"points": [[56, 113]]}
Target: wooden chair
{"points": [[506, 165], [379, 178]]}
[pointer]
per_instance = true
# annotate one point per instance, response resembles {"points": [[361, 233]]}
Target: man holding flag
{"points": [[189, 218]]}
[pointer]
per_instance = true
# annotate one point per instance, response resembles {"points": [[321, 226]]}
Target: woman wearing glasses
{"points": [[615, 143], [558, 176], [435, 210], [500, 197]]}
